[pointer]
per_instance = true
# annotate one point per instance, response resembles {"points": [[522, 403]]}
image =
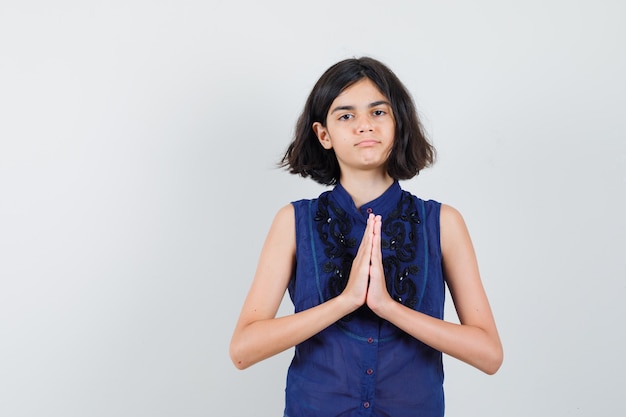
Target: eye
{"points": [[379, 112], [346, 116]]}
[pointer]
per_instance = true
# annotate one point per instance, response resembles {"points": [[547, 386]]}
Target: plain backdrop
{"points": [[138, 150]]}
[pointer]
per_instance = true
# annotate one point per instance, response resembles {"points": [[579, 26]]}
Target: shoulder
{"points": [[430, 204], [450, 215], [453, 228], [429, 209], [281, 236], [304, 206], [307, 201], [284, 216]]}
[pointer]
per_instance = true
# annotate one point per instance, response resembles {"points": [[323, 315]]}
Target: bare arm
{"points": [[258, 333], [475, 340]]}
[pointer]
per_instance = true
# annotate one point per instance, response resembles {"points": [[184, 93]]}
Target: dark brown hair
{"points": [[411, 151]]}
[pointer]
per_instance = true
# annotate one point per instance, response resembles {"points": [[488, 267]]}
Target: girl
{"points": [[365, 264]]}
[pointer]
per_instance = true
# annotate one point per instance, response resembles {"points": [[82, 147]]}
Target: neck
{"points": [[365, 188]]}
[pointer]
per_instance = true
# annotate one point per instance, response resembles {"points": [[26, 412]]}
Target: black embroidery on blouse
{"points": [[399, 244], [334, 228]]}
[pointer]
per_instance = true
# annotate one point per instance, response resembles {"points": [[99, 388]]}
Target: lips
{"points": [[367, 142]]}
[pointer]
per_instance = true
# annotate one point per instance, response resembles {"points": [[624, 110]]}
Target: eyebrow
{"points": [[371, 105]]}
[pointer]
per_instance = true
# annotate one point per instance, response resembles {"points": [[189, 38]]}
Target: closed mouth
{"points": [[367, 142]]}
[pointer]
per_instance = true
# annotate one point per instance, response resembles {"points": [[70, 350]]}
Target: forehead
{"points": [[363, 90]]}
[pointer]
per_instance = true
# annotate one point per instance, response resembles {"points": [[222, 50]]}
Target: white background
{"points": [[138, 142]]}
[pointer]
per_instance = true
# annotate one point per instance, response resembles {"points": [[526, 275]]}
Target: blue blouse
{"points": [[363, 365]]}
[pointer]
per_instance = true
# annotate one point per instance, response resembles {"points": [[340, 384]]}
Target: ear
{"points": [[322, 135]]}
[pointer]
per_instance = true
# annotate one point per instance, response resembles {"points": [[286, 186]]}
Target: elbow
{"points": [[492, 368], [237, 356], [494, 361], [239, 364]]}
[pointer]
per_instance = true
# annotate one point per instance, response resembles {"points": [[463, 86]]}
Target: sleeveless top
{"points": [[363, 365]]}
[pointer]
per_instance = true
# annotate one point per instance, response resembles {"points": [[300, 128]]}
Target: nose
{"points": [[365, 125]]}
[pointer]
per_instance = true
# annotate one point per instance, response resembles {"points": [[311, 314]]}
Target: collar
{"points": [[382, 205]]}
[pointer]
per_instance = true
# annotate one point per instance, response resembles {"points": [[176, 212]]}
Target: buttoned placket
{"points": [[369, 370]]}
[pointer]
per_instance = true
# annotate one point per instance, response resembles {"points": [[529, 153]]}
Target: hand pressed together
{"points": [[366, 284]]}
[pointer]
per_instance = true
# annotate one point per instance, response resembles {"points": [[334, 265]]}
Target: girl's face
{"points": [[360, 128]]}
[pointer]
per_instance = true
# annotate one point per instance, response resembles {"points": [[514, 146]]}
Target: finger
{"points": [[368, 235], [362, 259], [376, 238], [359, 275], [376, 260]]}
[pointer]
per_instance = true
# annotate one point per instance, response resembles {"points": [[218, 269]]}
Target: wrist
{"points": [[384, 309], [347, 303]]}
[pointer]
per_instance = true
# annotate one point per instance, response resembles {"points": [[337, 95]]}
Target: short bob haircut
{"points": [[411, 150]]}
